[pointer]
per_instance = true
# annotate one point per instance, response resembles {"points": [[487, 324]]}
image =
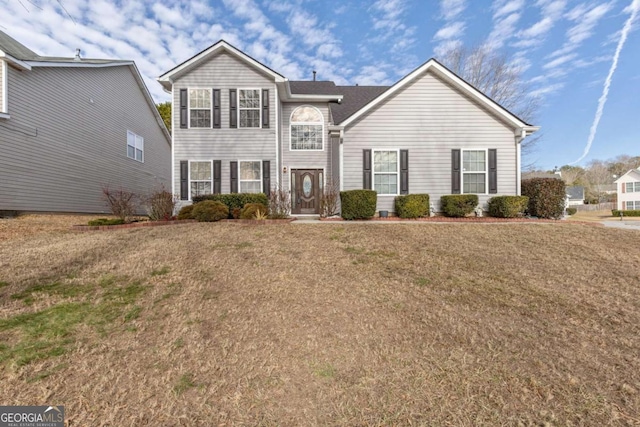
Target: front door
{"points": [[306, 187]]}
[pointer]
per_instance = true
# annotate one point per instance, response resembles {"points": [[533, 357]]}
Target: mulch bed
{"points": [[469, 220], [130, 225]]}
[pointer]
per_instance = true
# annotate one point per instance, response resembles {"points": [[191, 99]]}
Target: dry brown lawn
{"points": [[328, 324], [598, 216]]}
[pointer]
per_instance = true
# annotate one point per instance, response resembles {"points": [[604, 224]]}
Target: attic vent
{"points": [[314, 75], [77, 58]]}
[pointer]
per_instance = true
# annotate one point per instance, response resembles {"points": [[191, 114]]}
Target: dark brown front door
{"points": [[306, 185]]}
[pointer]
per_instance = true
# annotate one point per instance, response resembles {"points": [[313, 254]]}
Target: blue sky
{"points": [[566, 47]]}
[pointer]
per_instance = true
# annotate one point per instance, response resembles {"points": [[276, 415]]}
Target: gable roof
{"points": [[453, 79], [634, 172], [167, 78]]}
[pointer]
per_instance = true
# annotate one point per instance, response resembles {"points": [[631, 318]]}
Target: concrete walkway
{"points": [[627, 225]]}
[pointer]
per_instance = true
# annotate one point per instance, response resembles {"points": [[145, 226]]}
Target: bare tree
{"points": [[597, 176], [498, 77], [573, 175]]}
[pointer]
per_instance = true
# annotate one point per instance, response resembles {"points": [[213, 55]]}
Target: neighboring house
{"points": [[629, 190], [575, 195], [69, 126], [239, 126]]}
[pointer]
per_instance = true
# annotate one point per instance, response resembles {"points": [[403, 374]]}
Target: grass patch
{"points": [[422, 281], [106, 221], [326, 370], [243, 245], [184, 383], [160, 272], [3, 284], [58, 288]]}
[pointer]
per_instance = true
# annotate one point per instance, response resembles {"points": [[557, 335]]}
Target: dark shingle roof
{"points": [[354, 97], [575, 192]]}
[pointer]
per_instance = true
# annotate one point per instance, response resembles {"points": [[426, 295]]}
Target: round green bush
{"points": [[571, 211], [250, 209], [412, 206], [508, 206], [458, 205], [210, 211], [358, 204], [546, 197], [186, 212]]}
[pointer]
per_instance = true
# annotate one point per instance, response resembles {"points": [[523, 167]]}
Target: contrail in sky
{"points": [[635, 5]]}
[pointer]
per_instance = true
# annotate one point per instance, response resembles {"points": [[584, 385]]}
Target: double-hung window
{"points": [[633, 205], [200, 178], [135, 146], [250, 176], [200, 108], [249, 107], [474, 171], [632, 187], [385, 171], [307, 129]]}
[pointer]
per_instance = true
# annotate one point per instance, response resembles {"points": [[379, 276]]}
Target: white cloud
{"points": [[452, 30], [546, 90], [373, 75], [451, 9], [561, 60], [506, 7], [503, 30]]}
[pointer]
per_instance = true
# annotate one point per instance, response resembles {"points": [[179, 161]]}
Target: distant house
{"points": [[69, 126], [628, 190], [239, 126], [575, 195]]}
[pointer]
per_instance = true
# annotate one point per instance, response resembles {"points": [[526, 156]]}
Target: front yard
{"points": [[329, 324]]}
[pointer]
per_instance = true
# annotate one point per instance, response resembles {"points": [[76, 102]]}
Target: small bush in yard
{"points": [[458, 205], [253, 210], [571, 211], [508, 206], [186, 212], [412, 206], [160, 205], [546, 197], [122, 203], [616, 212], [358, 204], [279, 203], [234, 200], [329, 199], [106, 221], [210, 211]]}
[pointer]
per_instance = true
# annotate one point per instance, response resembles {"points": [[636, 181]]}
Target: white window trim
{"points": [[259, 108], [635, 187], [189, 107], [636, 205], [486, 170], [5, 88], [240, 180], [306, 123], [373, 172], [135, 135], [199, 180]]}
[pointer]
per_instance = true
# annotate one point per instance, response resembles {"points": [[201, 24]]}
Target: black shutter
{"points": [[216, 108], [366, 169], [217, 175], [493, 171], [265, 108], [404, 171], [184, 109], [233, 174], [266, 177], [184, 180], [455, 171], [233, 109]]}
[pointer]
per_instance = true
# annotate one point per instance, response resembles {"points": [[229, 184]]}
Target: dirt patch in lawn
{"points": [[329, 324]]}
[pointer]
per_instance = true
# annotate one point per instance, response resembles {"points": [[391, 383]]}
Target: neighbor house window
{"points": [[135, 146], [632, 187], [250, 177], [307, 129], [385, 172], [474, 171], [249, 107], [200, 108], [633, 205], [200, 178]]}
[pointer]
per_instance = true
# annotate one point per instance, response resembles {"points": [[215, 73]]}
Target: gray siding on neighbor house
{"points": [[227, 144], [429, 118], [303, 159], [2, 107], [67, 138]]}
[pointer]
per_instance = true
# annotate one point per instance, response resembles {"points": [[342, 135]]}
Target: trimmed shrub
{"points": [[458, 205], [160, 205], [279, 203], [616, 212], [508, 206], [121, 202], [546, 197], [186, 212], [571, 211], [250, 210], [412, 206], [106, 221], [358, 204], [210, 211], [234, 200]]}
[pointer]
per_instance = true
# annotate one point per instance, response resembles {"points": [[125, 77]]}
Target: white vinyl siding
{"points": [[250, 176], [135, 146], [474, 171], [386, 164], [249, 102], [199, 108], [200, 178]]}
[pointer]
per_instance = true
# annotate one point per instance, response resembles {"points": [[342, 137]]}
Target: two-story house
{"points": [[628, 190], [71, 126], [240, 126]]}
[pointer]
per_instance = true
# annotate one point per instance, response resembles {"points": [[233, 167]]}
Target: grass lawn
{"points": [[329, 324]]}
